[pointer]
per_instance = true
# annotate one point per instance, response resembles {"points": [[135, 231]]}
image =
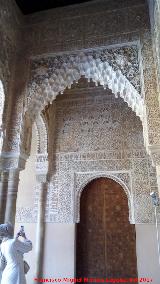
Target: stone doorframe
{"points": [[81, 179]]}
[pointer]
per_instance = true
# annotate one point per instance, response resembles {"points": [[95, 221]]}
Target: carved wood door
{"points": [[106, 244]]}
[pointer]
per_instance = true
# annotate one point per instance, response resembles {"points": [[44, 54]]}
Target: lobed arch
{"points": [[81, 185], [69, 70]]}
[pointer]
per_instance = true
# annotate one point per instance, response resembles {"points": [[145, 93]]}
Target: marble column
{"points": [[3, 194], [158, 178], [154, 152], [8, 195], [10, 210], [10, 166], [40, 233]]}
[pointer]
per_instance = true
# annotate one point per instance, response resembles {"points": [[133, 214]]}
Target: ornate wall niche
{"points": [[95, 133]]}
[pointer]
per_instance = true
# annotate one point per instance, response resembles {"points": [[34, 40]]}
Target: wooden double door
{"points": [[106, 244]]}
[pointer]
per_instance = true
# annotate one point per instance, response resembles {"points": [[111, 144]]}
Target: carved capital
{"points": [[12, 160], [9, 181], [41, 164], [154, 152], [41, 178]]}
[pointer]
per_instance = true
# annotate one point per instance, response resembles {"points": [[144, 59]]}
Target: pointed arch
{"points": [[95, 175]]}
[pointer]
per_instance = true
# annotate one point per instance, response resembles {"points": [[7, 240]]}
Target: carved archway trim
{"points": [[86, 178], [42, 135], [52, 75], [42, 147]]}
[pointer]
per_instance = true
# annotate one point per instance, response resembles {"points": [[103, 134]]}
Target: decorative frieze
{"points": [[79, 27]]}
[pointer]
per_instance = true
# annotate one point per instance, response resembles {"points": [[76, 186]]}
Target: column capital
{"points": [[9, 175], [12, 161], [41, 178], [154, 152], [42, 167]]}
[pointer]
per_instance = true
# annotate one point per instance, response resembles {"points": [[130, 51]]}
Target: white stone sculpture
{"points": [[12, 251]]}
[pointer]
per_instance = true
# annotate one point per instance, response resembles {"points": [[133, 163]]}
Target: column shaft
{"points": [[158, 177], [41, 230], [3, 195], [13, 181]]}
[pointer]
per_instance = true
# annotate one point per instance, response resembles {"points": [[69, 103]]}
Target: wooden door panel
{"points": [[91, 223]]}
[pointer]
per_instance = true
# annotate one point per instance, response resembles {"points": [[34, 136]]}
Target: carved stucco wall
{"points": [[74, 28], [128, 70], [11, 21], [78, 27], [68, 30], [154, 9], [95, 135], [123, 23]]}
